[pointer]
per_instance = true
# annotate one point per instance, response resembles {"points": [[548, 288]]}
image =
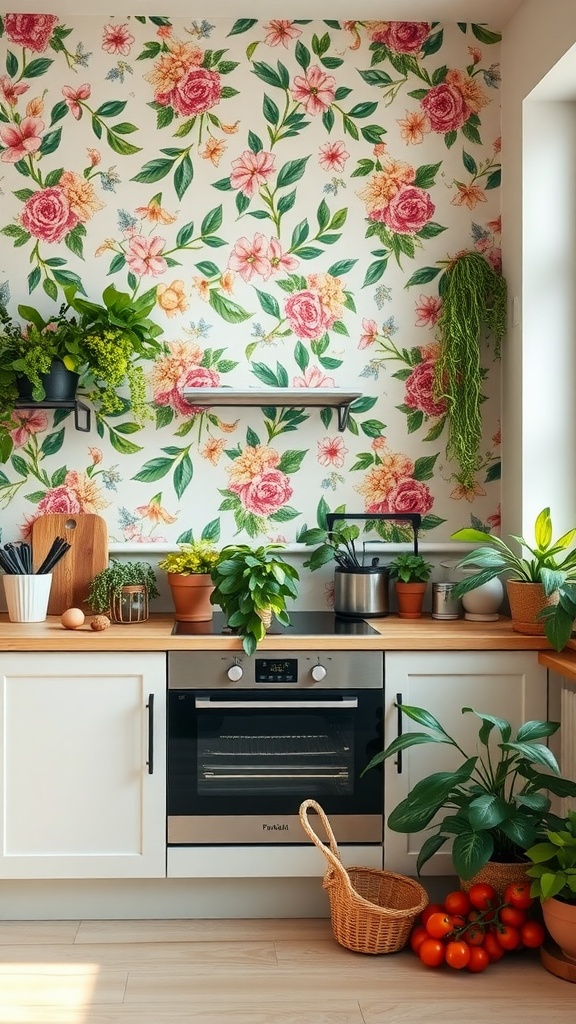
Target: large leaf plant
{"points": [[496, 802], [542, 565]]}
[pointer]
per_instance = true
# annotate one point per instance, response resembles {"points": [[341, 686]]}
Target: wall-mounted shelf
{"points": [[79, 410], [300, 398]]}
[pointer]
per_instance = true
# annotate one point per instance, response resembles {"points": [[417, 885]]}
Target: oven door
{"points": [[240, 763]]}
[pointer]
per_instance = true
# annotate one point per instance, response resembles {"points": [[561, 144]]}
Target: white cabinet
{"points": [[510, 684], [83, 765]]}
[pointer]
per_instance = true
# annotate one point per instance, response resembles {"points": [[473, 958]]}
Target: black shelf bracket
{"points": [[81, 411]]}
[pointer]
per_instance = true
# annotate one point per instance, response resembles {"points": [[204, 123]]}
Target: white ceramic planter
{"points": [[27, 596]]}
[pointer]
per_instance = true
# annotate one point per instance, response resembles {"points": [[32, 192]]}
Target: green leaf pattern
{"points": [[274, 185]]}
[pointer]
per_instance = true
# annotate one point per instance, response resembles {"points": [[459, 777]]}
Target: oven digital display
{"points": [[276, 670]]}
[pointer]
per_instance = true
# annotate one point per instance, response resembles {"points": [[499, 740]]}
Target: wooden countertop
{"points": [[394, 634]]}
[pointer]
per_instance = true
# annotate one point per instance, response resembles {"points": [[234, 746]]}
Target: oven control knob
{"points": [[235, 672], [318, 673]]}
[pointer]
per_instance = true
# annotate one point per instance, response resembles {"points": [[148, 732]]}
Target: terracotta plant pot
{"points": [[560, 920], [410, 598], [191, 596], [499, 874], [526, 600]]}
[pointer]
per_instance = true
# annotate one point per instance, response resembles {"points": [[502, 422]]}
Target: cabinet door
{"points": [[78, 796], [510, 684]]}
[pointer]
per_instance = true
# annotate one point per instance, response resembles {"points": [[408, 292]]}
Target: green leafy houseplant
{"points": [[554, 863], [473, 299], [337, 545], [197, 557], [409, 568], [542, 566], [107, 584], [496, 801], [103, 343], [251, 585]]}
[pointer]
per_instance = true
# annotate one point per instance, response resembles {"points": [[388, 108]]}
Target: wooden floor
{"points": [[251, 972]]}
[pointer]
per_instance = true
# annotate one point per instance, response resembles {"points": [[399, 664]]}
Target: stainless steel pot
{"points": [[362, 592]]}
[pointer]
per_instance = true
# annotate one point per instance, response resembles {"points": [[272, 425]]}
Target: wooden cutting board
{"points": [[88, 555]]}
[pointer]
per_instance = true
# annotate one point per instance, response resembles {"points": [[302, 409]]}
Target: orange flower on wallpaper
{"points": [[155, 213], [468, 195], [81, 196], [171, 298], [414, 126], [214, 150], [212, 450], [155, 512]]}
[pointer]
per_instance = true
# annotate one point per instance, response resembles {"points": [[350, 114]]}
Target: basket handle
{"points": [[330, 852]]}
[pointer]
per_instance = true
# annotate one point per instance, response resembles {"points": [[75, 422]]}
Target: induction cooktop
{"points": [[321, 623]]}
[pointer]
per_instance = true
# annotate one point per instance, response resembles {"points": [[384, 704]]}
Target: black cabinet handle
{"points": [[399, 731], [150, 761]]}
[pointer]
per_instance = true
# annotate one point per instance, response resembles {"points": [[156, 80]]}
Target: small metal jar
{"points": [[444, 604]]}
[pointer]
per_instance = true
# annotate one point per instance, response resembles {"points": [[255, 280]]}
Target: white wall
{"points": [[538, 381]]}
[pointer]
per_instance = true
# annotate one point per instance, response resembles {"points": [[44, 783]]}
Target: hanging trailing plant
{"points": [[474, 300]]}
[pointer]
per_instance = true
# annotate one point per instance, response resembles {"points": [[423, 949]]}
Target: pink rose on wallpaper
{"points": [[402, 36], [31, 30], [419, 392], [21, 139], [59, 499], [47, 215], [315, 90], [445, 107], [195, 377], [266, 493], [250, 170], [307, 316], [407, 496], [409, 210], [195, 93]]}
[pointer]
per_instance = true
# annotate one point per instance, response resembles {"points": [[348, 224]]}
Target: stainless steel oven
{"points": [[250, 738]]}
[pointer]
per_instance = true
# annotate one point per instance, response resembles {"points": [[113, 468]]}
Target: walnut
{"points": [[100, 622]]}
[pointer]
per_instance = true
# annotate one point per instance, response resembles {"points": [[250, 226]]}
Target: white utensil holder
{"points": [[27, 596]]}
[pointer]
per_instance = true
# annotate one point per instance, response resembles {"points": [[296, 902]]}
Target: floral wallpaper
{"points": [[293, 191]]}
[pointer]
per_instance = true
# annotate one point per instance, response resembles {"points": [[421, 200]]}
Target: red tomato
{"points": [[479, 960], [457, 903], [438, 925], [482, 896], [518, 895], [492, 947], [532, 934], [417, 936], [513, 916], [473, 915], [457, 954], [432, 908], [508, 937], [474, 935], [431, 952]]}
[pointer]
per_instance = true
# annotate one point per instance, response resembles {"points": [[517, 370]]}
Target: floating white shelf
{"points": [[301, 398]]}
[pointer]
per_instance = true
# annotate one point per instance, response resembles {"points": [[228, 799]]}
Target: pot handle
{"points": [[414, 518]]}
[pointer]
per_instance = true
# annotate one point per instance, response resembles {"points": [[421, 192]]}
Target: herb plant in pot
{"points": [[541, 588], [123, 590], [553, 868], [252, 585], [411, 574], [360, 588], [188, 573], [495, 803]]}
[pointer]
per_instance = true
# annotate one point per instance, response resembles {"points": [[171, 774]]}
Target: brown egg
{"points": [[72, 618]]}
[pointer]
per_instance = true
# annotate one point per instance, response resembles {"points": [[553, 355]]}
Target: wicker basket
{"points": [[372, 911]]}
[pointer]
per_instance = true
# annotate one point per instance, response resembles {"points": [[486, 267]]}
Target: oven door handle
{"points": [[205, 703]]}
